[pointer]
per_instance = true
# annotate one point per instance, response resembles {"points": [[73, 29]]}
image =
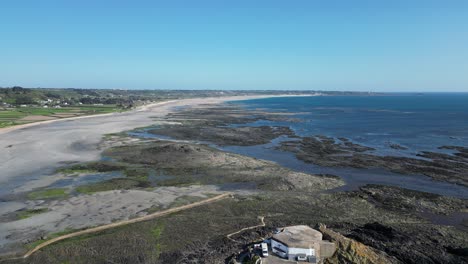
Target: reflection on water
{"points": [[353, 177], [72, 181]]}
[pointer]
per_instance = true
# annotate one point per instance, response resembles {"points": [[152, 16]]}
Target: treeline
{"points": [[17, 95]]}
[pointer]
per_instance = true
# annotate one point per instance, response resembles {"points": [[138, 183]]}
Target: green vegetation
{"points": [[137, 177], [14, 116], [137, 173], [30, 212], [48, 237], [48, 194], [18, 102], [157, 232], [112, 184], [19, 95], [99, 166], [82, 109], [9, 117], [200, 234]]}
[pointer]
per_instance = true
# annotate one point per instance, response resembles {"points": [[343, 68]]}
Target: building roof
{"points": [[300, 236]]}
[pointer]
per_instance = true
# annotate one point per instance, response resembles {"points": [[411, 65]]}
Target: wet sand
{"points": [[31, 151], [92, 210]]}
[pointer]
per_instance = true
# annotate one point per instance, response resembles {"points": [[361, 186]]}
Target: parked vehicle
{"points": [[301, 257], [264, 249]]}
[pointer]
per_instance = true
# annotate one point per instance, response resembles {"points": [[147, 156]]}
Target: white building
{"points": [[301, 243]]}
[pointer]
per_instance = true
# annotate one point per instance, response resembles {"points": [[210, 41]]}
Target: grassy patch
{"points": [[91, 167], [30, 212], [156, 232], [112, 184], [10, 117], [200, 232], [79, 110], [49, 236], [137, 173], [48, 194], [6, 124], [11, 114]]}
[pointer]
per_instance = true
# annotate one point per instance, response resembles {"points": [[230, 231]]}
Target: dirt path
{"points": [[262, 218], [131, 221]]}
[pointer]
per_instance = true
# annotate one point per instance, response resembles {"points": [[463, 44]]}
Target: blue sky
{"points": [[371, 45]]}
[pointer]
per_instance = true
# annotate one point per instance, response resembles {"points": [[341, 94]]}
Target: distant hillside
{"points": [[17, 95]]}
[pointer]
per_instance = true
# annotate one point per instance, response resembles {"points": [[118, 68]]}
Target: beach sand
{"points": [[34, 150], [31, 154]]}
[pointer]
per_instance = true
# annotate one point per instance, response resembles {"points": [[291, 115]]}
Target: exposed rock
{"points": [[326, 152], [397, 146], [410, 201], [196, 163], [234, 136], [409, 246], [351, 251]]}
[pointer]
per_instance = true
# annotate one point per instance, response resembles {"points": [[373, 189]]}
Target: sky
{"points": [[374, 45]]}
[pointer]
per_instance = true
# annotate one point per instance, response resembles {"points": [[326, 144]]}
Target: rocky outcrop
{"points": [[328, 152], [351, 251]]}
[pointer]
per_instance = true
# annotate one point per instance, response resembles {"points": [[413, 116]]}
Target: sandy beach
{"points": [[34, 150], [32, 153]]}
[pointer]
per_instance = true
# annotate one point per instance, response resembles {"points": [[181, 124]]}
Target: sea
{"points": [[416, 122]]}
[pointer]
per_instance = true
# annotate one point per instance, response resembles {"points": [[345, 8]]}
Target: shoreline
{"points": [[145, 108], [255, 146], [386, 207], [47, 145], [146, 113]]}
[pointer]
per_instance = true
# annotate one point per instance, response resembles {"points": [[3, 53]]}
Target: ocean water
{"points": [[418, 122]]}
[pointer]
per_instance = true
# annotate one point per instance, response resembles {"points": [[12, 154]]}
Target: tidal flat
{"points": [[388, 223]]}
